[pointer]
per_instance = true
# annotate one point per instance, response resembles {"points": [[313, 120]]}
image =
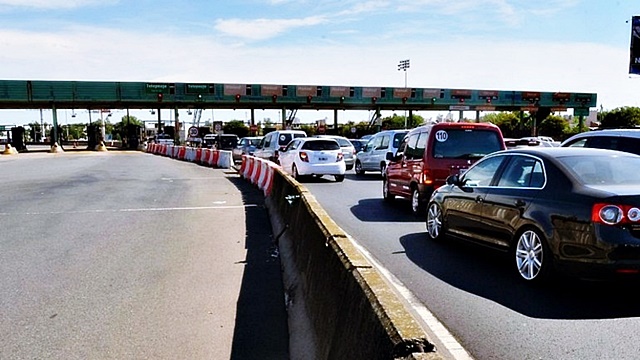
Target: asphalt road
{"points": [[127, 255], [473, 292]]}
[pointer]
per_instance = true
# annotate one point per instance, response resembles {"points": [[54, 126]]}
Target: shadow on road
{"points": [[378, 210], [490, 274], [261, 329]]}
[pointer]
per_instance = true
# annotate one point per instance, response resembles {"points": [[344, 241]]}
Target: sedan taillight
{"points": [[340, 156], [304, 157], [611, 214]]}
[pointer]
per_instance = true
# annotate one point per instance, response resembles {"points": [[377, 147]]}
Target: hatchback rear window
{"points": [[465, 143], [321, 145]]}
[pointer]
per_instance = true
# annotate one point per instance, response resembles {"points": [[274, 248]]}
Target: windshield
{"points": [[254, 142], [466, 143]]}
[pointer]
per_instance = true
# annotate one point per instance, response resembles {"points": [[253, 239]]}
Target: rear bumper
{"points": [[338, 168]]}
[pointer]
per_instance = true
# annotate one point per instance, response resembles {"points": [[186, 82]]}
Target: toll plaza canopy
{"points": [[37, 94]]}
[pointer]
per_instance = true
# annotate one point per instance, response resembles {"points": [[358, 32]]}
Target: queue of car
{"points": [[570, 208]]}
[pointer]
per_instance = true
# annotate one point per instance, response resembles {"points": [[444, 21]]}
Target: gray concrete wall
{"points": [[339, 305]]}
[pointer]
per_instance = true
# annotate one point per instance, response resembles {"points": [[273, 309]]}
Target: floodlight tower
{"points": [[404, 65]]}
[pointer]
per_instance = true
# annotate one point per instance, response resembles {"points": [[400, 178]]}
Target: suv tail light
{"points": [[612, 214], [425, 177]]}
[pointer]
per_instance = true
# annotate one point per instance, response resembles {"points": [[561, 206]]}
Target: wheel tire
{"points": [[295, 174], [386, 195], [358, 168], [417, 207], [532, 255], [434, 222], [339, 178]]}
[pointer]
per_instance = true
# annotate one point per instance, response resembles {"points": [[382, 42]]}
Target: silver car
{"points": [[348, 150], [374, 155]]}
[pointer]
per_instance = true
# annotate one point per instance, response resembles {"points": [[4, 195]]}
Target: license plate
{"points": [[322, 159]]}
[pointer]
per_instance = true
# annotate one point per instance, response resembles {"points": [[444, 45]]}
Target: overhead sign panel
{"points": [[196, 88], [270, 90], [401, 92], [337, 91], [634, 63], [156, 88], [371, 92], [234, 89], [306, 90]]}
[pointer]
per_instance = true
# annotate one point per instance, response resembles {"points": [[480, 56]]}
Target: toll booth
{"points": [[93, 136], [17, 138], [132, 136]]}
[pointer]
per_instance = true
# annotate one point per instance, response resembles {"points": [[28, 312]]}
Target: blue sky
{"points": [[546, 45]]}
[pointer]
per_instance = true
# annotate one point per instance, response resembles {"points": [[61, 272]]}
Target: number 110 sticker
{"points": [[442, 135]]}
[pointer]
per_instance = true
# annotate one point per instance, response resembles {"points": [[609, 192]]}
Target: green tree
{"points": [[508, 122], [624, 117], [396, 121], [236, 127], [75, 131], [119, 130], [554, 126], [309, 129]]}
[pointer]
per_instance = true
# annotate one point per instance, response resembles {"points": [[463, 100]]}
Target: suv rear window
{"points": [[285, 138], [620, 143], [466, 144], [397, 139]]}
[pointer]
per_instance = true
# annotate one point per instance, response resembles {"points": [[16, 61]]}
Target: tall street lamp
{"points": [[404, 65]]}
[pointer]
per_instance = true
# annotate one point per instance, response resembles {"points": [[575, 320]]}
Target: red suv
{"points": [[430, 153]]}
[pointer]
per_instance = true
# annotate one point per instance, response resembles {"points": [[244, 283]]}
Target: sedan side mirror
{"points": [[453, 180]]}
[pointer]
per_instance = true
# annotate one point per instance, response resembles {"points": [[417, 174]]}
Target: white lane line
{"points": [[435, 327], [100, 211]]}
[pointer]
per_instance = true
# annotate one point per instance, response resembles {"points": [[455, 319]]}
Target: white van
{"points": [[276, 141]]}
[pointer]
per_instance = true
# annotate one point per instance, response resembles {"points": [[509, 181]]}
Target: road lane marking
{"points": [[446, 339], [101, 211]]}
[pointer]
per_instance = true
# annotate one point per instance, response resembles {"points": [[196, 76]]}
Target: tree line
{"points": [[512, 125]]}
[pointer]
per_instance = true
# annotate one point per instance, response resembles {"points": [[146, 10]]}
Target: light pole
{"points": [[404, 65]]}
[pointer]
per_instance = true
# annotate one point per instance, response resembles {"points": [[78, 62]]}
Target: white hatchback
{"points": [[313, 156]]}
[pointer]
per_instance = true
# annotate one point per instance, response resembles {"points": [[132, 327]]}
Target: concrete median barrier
{"points": [[340, 306]]}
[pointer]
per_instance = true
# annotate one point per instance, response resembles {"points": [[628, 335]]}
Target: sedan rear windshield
{"points": [[466, 144], [604, 170], [321, 145]]}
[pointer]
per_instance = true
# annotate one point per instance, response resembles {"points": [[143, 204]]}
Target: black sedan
{"points": [[557, 210]]}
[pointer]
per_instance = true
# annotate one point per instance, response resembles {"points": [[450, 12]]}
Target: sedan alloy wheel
{"points": [[434, 222], [531, 262]]}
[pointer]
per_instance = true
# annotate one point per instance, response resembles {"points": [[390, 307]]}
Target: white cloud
{"points": [[261, 29], [95, 54]]}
